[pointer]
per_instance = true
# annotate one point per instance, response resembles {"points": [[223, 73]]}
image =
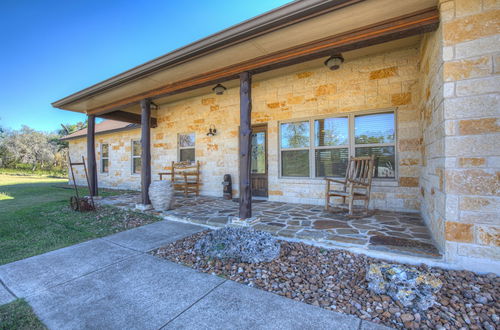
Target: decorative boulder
{"points": [[404, 284], [161, 195], [241, 244]]}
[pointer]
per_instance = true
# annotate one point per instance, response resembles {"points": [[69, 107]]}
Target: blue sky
{"points": [[51, 49]]}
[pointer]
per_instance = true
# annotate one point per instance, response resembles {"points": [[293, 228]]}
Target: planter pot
{"points": [[161, 195]]}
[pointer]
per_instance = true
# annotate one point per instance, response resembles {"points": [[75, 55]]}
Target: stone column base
{"points": [[143, 207], [239, 222]]}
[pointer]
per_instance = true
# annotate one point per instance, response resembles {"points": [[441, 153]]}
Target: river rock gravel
{"points": [[335, 280]]}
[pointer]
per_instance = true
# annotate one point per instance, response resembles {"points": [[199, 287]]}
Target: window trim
{"points": [[179, 148], [351, 147], [103, 158], [132, 157]]}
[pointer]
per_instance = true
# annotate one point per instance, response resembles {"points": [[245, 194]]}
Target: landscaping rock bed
{"points": [[336, 280]]}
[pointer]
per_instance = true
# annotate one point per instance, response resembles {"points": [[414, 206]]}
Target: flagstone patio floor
{"points": [[397, 232]]}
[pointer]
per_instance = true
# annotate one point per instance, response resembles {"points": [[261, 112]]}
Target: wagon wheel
{"points": [[74, 203]]}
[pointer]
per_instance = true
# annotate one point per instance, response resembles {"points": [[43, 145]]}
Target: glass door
{"points": [[259, 161]]}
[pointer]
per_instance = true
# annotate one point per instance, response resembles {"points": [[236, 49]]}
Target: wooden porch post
{"points": [[92, 167], [245, 145], [146, 150]]}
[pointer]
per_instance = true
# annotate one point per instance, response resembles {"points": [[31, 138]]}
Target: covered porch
{"points": [[333, 31], [393, 232]]}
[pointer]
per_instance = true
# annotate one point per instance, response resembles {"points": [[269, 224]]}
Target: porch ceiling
{"points": [[361, 14], [308, 65]]}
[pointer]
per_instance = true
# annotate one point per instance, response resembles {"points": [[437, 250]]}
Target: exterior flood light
{"points": [[219, 89], [333, 62]]}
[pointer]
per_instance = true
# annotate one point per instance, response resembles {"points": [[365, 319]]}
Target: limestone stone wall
{"points": [[120, 174], [471, 116], [383, 81], [433, 196]]}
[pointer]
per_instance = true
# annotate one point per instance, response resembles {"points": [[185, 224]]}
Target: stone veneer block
{"points": [[408, 182], [471, 27], [467, 68], [488, 235], [479, 252], [472, 182], [471, 161], [482, 204], [383, 73], [479, 126], [459, 232]]}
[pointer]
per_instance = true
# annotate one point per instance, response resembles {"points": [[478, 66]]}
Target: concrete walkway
{"points": [[112, 283]]}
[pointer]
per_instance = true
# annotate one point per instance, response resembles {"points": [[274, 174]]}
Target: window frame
{"points": [[179, 148], [103, 158], [293, 149], [351, 147], [132, 157]]}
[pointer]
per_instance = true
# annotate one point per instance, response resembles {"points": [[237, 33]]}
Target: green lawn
{"points": [[35, 217], [19, 315], [24, 170]]}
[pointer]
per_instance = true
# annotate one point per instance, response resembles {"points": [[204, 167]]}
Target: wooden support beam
{"points": [[245, 145], [146, 150], [392, 29], [127, 117], [91, 162]]}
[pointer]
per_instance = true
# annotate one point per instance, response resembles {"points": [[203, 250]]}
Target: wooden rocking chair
{"points": [[185, 177], [355, 186]]}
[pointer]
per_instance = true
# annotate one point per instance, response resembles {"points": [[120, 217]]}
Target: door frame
{"points": [[263, 128]]}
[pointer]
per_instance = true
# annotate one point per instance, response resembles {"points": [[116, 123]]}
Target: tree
{"points": [[67, 129], [39, 150], [28, 146], [3, 150]]}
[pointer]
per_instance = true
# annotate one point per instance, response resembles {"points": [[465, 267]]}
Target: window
{"points": [[186, 147], [104, 158], [295, 142], [136, 156], [374, 135], [333, 140], [331, 146], [258, 153]]}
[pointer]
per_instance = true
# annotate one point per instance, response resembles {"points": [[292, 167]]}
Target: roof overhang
{"points": [[82, 134], [297, 32]]}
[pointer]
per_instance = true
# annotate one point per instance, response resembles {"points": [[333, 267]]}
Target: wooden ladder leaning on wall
{"points": [[355, 186]]}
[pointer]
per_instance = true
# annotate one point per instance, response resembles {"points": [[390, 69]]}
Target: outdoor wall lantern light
{"points": [[333, 62], [219, 89], [212, 131]]}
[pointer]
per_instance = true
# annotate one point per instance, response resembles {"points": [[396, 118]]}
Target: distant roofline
{"points": [[84, 135], [280, 17]]}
